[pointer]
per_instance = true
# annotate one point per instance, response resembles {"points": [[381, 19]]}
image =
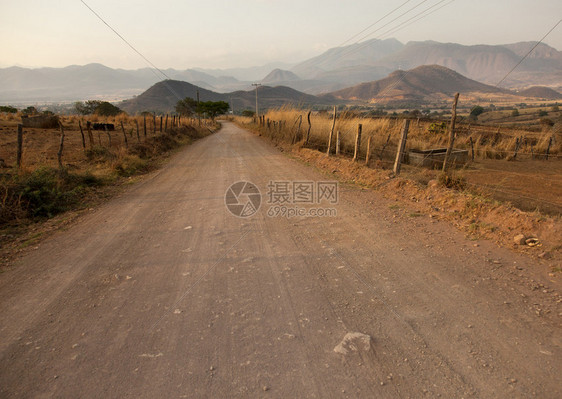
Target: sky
{"points": [[184, 34]]}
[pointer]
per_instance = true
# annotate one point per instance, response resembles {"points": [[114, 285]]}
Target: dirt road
{"points": [[162, 292]]}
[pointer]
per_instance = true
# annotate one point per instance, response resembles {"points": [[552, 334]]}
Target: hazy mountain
{"points": [[163, 97], [250, 74], [280, 76], [484, 63], [428, 82], [374, 59], [541, 92], [338, 58], [94, 81]]}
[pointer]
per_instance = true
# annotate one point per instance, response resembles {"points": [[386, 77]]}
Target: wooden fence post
{"points": [[517, 145], [124, 135], [548, 148], [83, 138], [90, 134], [154, 123], [20, 146], [338, 142], [309, 127], [332, 132], [451, 132], [108, 134], [161, 118], [61, 146], [166, 124], [472, 148], [138, 133], [144, 125], [384, 146], [401, 147], [357, 142], [368, 157]]}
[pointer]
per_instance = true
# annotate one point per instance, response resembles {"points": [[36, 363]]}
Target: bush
{"points": [[450, 181], [515, 113]]}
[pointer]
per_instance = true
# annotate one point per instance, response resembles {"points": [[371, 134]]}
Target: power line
{"points": [[373, 24], [349, 51], [153, 67], [530, 51], [399, 27]]}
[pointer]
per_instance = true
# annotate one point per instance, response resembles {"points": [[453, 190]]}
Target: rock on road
{"points": [[161, 292]]}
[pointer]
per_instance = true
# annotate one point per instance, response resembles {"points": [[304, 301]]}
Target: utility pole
{"points": [[257, 109]]}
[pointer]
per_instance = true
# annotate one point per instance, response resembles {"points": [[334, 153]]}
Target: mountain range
{"points": [[333, 70], [424, 85]]}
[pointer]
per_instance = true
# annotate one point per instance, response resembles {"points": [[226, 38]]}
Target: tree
{"points": [[213, 108], [542, 113], [8, 108], [29, 111], [248, 113], [515, 112], [186, 107], [477, 111], [87, 108], [107, 109]]}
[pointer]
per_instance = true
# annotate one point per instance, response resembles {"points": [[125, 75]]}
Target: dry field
{"points": [[41, 188], [529, 181]]}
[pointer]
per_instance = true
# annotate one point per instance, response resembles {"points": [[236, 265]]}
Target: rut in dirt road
{"points": [[163, 292]]}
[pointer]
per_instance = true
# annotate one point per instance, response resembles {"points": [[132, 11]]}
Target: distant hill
{"points": [[280, 76], [163, 97], [94, 81], [419, 84], [362, 54], [541, 92], [484, 63]]}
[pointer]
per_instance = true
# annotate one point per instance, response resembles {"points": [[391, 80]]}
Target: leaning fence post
{"points": [[144, 125], [20, 146], [451, 132], [166, 124], [368, 157], [309, 127], [472, 148], [161, 123], [90, 134], [124, 135], [357, 142], [401, 147], [83, 138], [332, 132], [548, 148], [138, 133], [61, 146], [384, 146]]}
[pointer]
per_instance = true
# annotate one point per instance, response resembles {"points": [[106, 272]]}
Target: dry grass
{"points": [[489, 142], [41, 188]]}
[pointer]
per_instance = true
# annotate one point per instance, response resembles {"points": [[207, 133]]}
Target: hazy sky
{"points": [[220, 34]]}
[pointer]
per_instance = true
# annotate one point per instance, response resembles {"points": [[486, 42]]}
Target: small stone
{"points": [[354, 342], [211, 368], [520, 239], [532, 242], [544, 255], [265, 388]]}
